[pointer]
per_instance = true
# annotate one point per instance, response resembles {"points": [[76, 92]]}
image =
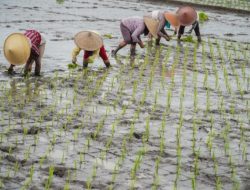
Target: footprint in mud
{"points": [[7, 148], [60, 171], [137, 135]]}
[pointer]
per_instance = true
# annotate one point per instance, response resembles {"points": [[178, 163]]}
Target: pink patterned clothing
{"points": [[35, 39]]}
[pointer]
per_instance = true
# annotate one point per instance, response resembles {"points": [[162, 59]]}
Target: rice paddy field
{"points": [[174, 117]]}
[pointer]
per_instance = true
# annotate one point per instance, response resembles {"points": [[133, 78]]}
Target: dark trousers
{"points": [[195, 26]]}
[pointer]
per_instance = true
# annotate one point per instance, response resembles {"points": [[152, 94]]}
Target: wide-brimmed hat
{"points": [[152, 25], [88, 40], [17, 49], [172, 19], [186, 15]]}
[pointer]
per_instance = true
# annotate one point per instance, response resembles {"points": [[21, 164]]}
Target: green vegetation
{"points": [[180, 112]]}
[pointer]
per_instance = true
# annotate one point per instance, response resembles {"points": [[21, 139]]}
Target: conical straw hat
{"points": [[88, 40], [172, 19], [17, 49], [186, 15], [152, 25]]}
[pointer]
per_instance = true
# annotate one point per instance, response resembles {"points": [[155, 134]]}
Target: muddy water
{"points": [[90, 126]]}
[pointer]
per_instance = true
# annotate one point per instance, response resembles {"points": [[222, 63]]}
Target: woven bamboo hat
{"points": [[17, 49], [88, 40], [186, 15], [152, 25], [172, 19]]}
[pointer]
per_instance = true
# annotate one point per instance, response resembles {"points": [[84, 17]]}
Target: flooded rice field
{"points": [[174, 117]]}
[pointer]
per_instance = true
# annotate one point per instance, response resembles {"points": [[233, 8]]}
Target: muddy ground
{"points": [[118, 128]]}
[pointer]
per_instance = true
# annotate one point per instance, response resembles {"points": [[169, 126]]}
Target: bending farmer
{"points": [[188, 16], [28, 47], [92, 44], [164, 18], [131, 29]]}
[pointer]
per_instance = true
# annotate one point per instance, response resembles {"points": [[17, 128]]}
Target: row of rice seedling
{"points": [[37, 136], [62, 117]]}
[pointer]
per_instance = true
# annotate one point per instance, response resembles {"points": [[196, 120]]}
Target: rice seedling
{"points": [[163, 71], [50, 178], [136, 166], [145, 137]]}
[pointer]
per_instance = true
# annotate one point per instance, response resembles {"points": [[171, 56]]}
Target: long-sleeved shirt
{"points": [[90, 56], [136, 26]]}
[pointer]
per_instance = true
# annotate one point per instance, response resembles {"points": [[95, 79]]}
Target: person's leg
{"points": [[11, 69], [86, 56], [120, 46], [85, 63], [132, 49], [180, 32], [157, 41], [197, 31], [126, 38], [104, 56], [28, 65], [38, 66], [41, 52], [39, 60]]}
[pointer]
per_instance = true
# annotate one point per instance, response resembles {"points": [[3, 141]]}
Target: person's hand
{"points": [[11, 70], [141, 45], [167, 38]]}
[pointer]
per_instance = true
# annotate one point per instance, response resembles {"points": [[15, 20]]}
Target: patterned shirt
{"points": [[35, 39]]}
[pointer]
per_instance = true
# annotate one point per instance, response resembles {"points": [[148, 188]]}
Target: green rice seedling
{"points": [[203, 17], [207, 101], [135, 86], [163, 68], [162, 145], [16, 167], [27, 154], [147, 130], [67, 184], [194, 135], [156, 173], [89, 183], [50, 178], [29, 180], [155, 100], [188, 39], [218, 183], [136, 166]]}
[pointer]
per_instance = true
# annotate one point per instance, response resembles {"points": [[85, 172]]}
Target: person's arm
{"points": [[75, 53], [136, 34], [37, 67], [161, 27], [161, 31]]}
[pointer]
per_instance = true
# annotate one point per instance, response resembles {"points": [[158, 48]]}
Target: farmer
{"points": [[19, 48], [188, 16], [164, 18], [92, 44], [131, 29]]}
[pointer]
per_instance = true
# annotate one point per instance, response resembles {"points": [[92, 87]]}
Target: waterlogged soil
{"points": [[174, 117]]}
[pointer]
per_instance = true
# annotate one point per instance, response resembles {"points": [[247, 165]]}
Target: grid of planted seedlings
{"points": [[173, 118], [234, 4]]}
